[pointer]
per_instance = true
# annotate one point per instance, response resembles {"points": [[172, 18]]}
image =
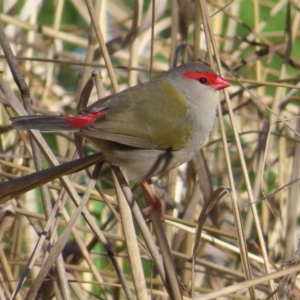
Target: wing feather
{"points": [[150, 121]]}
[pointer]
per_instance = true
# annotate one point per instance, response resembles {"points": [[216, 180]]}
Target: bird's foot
{"points": [[154, 204]]}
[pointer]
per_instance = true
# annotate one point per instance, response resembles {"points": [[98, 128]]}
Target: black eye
{"points": [[203, 80]]}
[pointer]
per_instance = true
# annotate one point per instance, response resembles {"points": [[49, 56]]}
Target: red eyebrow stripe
{"points": [[211, 77]]}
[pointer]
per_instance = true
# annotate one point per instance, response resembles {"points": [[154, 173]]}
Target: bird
{"points": [[147, 129]]}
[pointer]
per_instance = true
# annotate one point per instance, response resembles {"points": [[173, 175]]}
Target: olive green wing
{"points": [[151, 116]]}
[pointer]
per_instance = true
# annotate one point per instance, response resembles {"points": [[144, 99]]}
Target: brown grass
{"points": [[231, 213]]}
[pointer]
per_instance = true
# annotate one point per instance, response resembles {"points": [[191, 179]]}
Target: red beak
{"points": [[220, 84]]}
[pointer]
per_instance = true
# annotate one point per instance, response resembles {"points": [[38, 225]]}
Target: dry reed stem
{"points": [[263, 171]]}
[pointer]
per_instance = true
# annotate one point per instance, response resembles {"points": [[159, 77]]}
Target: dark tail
{"points": [[43, 123], [17, 186]]}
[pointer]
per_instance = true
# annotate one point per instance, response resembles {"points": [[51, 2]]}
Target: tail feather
{"points": [[43, 123]]}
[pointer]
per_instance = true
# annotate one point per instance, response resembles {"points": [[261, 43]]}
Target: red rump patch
{"points": [[210, 77], [84, 120]]}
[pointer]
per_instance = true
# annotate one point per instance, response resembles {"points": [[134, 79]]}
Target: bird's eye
{"points": [[203, 80]]}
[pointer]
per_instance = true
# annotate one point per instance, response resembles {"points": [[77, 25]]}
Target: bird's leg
{"points": [[152, 200]]}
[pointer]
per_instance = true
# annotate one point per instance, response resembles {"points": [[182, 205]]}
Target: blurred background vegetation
{"points": [[257, 42]]}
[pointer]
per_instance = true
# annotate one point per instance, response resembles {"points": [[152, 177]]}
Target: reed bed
{"points": [[231, 214]]}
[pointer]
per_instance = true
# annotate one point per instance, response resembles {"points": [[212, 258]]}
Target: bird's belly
{"points": [[142, 164]]}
